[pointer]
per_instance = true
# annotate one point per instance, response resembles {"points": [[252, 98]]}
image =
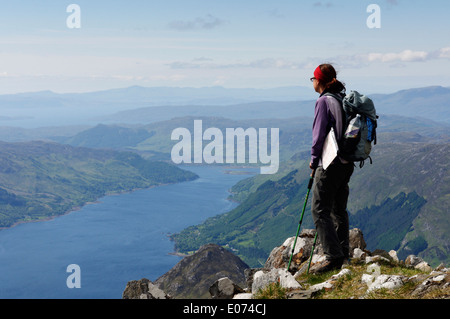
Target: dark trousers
{"points": [[329, 208]]}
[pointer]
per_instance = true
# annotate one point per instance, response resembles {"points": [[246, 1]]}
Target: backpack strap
{"points": [[337, 97], [344, 115]]}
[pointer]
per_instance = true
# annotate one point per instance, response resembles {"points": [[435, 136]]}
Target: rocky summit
{"points": [[214, 272], [192, 276]]}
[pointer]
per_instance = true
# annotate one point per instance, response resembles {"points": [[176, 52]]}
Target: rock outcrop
{"points": [[143, 289], [213, 272], [193, 275], [224, 288]]}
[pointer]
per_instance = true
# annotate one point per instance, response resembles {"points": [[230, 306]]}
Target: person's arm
{"points": [[319, 132]]}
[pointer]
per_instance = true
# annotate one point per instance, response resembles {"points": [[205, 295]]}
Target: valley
{"points": [[405, 189]]}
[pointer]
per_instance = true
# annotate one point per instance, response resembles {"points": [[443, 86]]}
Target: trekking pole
{"points": [[312, 252], [311, 179]]}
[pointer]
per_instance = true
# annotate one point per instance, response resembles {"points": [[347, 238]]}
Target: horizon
{"points": [[104, 45], [209, 87]]}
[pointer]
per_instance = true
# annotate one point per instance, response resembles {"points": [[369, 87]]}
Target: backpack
{"points": [[360, 120]]}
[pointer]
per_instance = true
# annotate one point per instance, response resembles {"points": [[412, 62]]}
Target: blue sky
{"points": [[257, 44]]}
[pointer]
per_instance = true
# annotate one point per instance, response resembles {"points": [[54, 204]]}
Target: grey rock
{"points": [[413, 260], [224, 288], [143, 289], [358, 253], [356, 239], [423, 266], [263, 278], [394, 256]]}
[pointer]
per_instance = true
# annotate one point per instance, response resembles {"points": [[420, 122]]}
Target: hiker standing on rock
{"points": [[330, 192]]}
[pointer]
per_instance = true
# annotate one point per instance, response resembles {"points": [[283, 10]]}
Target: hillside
{"points": [[407, 209], [416, 101], [154, 140], [108, 136], [251, 229], [40, 180]]}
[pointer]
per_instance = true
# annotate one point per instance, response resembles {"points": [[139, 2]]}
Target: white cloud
{"points": [[140, 78], [206, 23], [404, 56], [320, 4], [443, 53], [349, 61], [266, 63], [393, 58]]}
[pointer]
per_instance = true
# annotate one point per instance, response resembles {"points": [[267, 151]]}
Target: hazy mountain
{"points": [[147, 105], [295, 133], [104, 136], [429, 102], [48, 108], [50, 133], [255, 110]]}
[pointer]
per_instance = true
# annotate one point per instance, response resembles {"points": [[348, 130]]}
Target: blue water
{"points": [[121, 238]]}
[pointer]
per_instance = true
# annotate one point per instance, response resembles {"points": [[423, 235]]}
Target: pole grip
{"points": [[311, 179]]}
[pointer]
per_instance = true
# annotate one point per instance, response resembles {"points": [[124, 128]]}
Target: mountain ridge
{"points": [[125, 105], [412, 102]]}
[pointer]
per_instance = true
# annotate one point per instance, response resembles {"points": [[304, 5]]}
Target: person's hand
{"points": [[312, 168]]}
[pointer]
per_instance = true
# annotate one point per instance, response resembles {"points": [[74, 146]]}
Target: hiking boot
{"points": [[326, 265]]}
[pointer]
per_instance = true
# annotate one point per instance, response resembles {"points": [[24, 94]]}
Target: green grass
{"points": [[271, 291], [351, 286]]}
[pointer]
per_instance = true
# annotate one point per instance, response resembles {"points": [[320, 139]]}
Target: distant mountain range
{"points": [[430, 103], [136, 96], [47, 108], [148, 105]]}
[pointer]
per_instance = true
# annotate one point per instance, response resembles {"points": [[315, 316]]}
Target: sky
{"points": [[234, 44]]}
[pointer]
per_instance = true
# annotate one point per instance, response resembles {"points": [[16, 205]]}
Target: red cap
{"points": [[318, 74]]}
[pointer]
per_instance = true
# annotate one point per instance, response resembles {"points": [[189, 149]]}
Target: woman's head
{"points": [[325, 79]]}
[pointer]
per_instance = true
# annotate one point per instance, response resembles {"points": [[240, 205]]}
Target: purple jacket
{"points": [[327, 114]]}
